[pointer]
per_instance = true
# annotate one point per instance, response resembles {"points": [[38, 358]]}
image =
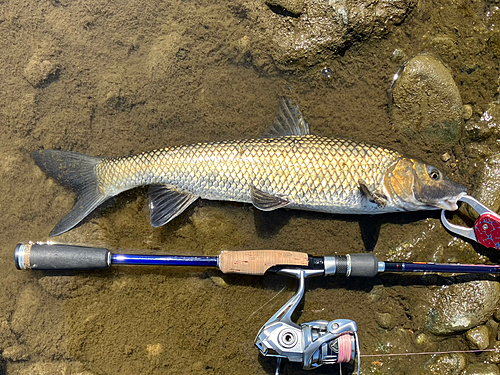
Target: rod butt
{"points": [[46, 256]]}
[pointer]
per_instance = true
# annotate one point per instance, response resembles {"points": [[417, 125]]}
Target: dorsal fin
{"points": [[288, 121]]}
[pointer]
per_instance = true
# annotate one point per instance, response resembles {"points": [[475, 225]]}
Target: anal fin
{"points": [[373, 195], [166, 203], [266, 202]]}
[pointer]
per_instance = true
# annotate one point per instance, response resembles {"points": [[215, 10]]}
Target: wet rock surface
{"points": [[384, 320], [426, 104], [481, 369], [446, 364], [309, 30], [478, 337], [459, 307], [494, 356], [487, 189], [16, 353]]}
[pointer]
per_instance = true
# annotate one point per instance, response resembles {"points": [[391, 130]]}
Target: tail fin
{"points": [[78, 172]]}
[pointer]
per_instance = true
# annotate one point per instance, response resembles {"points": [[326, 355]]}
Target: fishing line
{"points": [[430, 353], [265, 304]]}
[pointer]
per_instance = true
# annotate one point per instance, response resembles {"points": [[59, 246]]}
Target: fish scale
{"points": [[309, 171]]}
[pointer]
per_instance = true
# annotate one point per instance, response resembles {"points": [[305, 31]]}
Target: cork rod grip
{"points": [[257, 262]]}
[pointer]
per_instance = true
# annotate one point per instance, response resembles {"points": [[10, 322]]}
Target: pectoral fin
{"points": [[373, 195], [166, 202], [266, 202]]}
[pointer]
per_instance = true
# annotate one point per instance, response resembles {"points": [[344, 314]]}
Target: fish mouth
{"points": [[450, 204]]}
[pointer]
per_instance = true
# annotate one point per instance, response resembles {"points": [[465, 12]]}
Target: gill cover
{"points": [[414, 184]]}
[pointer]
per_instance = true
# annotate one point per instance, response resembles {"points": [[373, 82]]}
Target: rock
{"points": [[496, 315], [16, 353], [490, 121], [423, 340], [487, 189], [376, 293], [41, 71], [426, 104], [493, 327], [467, 111], [459, 307], [217, 279], [309, 31], [384, 320], [446, 364], [399, 56], [494, 357], [478, 337], [481, 369]]}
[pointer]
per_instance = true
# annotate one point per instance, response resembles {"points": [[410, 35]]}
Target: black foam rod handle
{"points": [[46, 256]]}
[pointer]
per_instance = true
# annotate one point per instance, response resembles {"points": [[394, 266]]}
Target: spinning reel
{"points": [[314, 343]]}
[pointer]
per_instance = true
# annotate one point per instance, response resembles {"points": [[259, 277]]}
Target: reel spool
{"points": [[314, 343]]}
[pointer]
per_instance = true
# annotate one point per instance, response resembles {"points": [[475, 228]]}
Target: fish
{"points": [[286, 167]]}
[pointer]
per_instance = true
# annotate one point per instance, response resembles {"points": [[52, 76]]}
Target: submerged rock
{"points": [[478, 337], [459, 307], [487, 126], [481, 369], [16, 353], [446, 364], [308, 31], [384, 320], [41, 70], [487, 189], [494, 356], [426, 104]]}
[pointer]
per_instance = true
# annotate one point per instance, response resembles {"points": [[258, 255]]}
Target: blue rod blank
{"points": [[164, 260]]}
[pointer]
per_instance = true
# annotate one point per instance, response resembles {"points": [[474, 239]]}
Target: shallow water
{"points": [[137, 76]]}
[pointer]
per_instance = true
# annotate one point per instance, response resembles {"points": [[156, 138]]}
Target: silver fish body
{"points": [[309, 172], [288, 167]]}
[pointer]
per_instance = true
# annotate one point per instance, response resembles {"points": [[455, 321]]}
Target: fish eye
{"points": [[434, 173]]}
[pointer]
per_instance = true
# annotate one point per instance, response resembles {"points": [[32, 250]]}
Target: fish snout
{"points": [[449, 194], [443, 194]]}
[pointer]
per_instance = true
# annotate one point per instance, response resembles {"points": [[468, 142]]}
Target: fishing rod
{"points": [[313, 344], [51, 256]]}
